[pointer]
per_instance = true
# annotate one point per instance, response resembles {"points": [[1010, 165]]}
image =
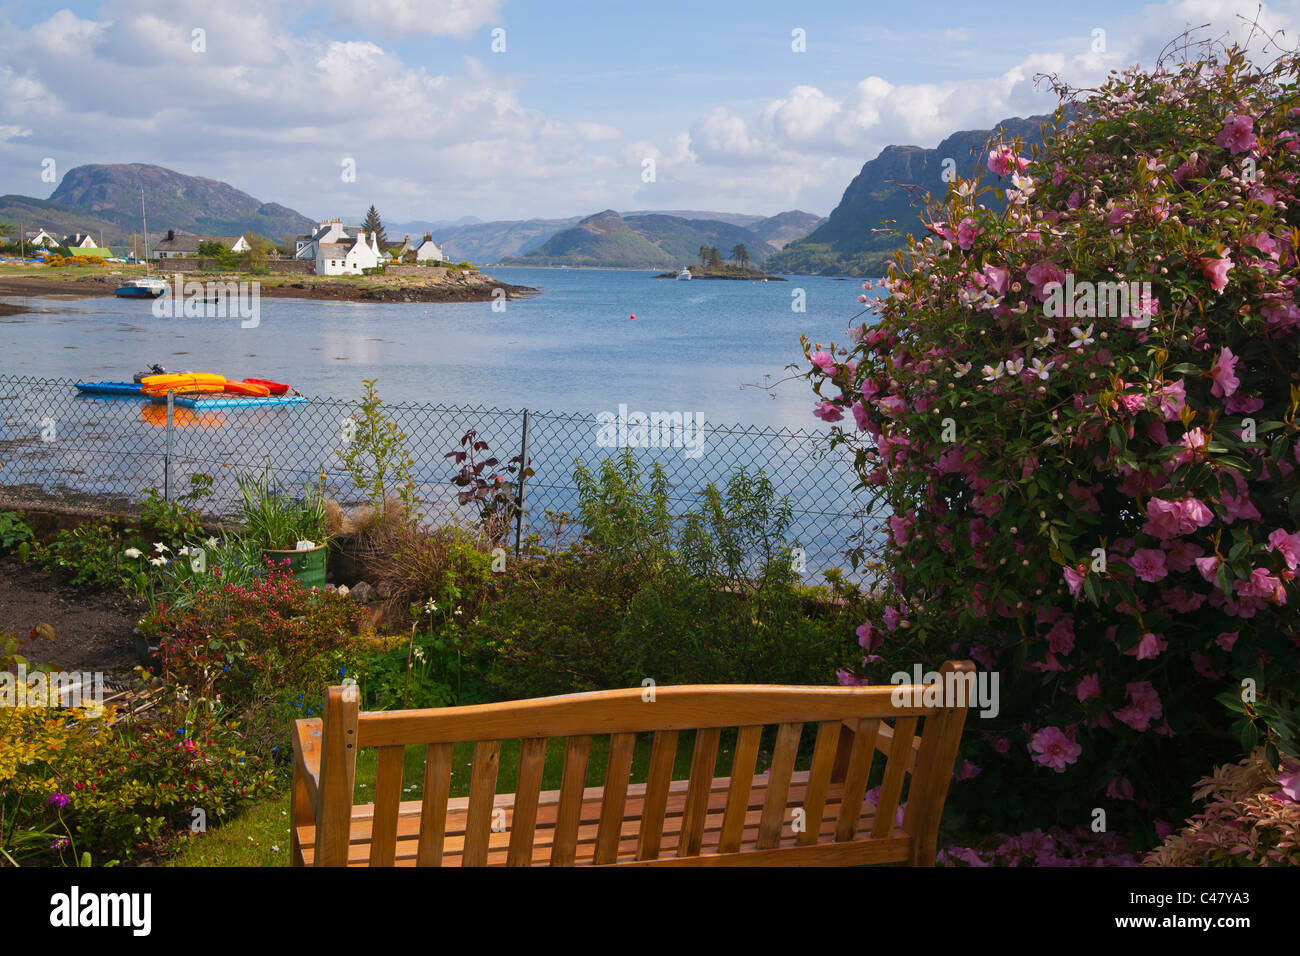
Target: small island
{"points": [[723, 272]]}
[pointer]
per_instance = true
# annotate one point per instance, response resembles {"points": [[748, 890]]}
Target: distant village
{"points": [[335, 249]]}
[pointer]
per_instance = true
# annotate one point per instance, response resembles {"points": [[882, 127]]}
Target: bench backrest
{"points": [[852, 725]]}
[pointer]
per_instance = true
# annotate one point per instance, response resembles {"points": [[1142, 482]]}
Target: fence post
{"points": [[519, 500], [167, 455]]}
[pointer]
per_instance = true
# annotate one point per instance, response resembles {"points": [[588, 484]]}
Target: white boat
{"points": [[141, 289], [684, 273]]}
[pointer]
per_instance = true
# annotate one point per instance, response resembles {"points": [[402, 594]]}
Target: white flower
{"points": [[1015, 366], [1024, 183], [962, 369], [992, 374], [965, 188], [430, 607], [1043, 341], [458, 612], [212, 542], [160, 547], [1039, 369], [183, 552], [132, 552], [1082, 338], [157, 562]]}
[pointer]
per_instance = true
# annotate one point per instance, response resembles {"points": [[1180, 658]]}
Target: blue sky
{"points": [[563, 122]]}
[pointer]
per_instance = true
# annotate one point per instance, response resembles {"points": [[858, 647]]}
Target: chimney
{"points": [[428, 237], [171, 234]]}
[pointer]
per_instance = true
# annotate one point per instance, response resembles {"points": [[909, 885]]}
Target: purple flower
{"points": [[59, 800]]}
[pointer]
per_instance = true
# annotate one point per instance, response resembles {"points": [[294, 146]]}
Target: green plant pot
{"points": [[307, 566]]}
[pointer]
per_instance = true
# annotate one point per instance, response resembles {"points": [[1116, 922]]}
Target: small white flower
{"points": [[965, 188], [1082, 338], [1043, 341], [183, 552], [458, 612], [212, 542], [160, 547], [132, 552], [1023, 183], [430, 607], [1040, 369], [992, 374], [157, 562], [1015, 366], [962, 369]]}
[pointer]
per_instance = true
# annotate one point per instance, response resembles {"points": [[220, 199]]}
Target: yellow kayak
{"points": [[182, 382]]}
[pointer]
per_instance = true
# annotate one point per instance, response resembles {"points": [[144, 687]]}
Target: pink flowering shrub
{"points": [[1080, 411], [1251, 818], [1056, 847]]}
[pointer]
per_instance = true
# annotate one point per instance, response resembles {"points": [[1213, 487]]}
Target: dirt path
{"points": [[92, 630]]}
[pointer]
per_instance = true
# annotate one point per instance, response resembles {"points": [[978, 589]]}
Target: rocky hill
{"points": [[855, 238]]}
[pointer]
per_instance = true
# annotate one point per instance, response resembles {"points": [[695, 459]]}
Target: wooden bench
{"points": [[740, 819]]}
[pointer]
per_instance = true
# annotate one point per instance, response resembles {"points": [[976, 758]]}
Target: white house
{"points": [[42, 238], [78, 240], [330, 231], [177, 244], [342, 259], [429, 251]]}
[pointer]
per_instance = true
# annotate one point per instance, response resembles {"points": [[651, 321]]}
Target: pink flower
{"points": [[966, 232], [1002, 160], [1149, 564], [1002, 745], [1145, 706], [1074, 579], [828, 412], [860, 416], [1169, 519], [891, 618], [868, 637], [1149, 647], [1041, 274], [1237, 134], [1288, 545], [1290, 783], [1172, 399], [847, 679], [1227, 640], [999, 279], [1209, 567], [1222, 371], [1216, 270], [1119, 788], [1052, 748], [901, 528], [825, 362], [1088, 688], [892, 406]]}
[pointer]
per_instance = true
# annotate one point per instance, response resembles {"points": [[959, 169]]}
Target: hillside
{"points": [[107, 198], [652, 240], [485, 242], [846, 242]]}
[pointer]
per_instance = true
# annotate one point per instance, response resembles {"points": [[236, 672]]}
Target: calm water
{"points": [[692, 346]]}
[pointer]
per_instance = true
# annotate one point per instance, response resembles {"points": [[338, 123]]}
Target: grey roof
{"points": [[188, 242], [333, 250]]}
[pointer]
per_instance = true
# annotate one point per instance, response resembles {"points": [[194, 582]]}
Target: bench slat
{"points": [[338, 768], [618, 769], [523, 821], [891, 787], [742, 782], [778, 786], [663, 754], [577, 750], [856, 777], [819, 778], [703, 761], [388, 794], [482, 795], [433, 809]]}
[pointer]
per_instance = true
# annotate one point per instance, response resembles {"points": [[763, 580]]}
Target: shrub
{"points": [[1251, 818], [15, 533], [376, 456], [1099, 502]]}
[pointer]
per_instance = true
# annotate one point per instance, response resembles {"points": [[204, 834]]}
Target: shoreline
{"points": [[473, 287]]}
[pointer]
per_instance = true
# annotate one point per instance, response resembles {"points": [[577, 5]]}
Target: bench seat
{"points": [[893, 849]]}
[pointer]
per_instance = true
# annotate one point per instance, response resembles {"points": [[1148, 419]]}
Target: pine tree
{"points": [[373, 224], [715, 258]]}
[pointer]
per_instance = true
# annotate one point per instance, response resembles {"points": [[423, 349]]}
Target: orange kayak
{"points": [[182, 382]]}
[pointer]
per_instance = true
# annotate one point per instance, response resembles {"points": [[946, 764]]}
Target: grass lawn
{"points": [[260, 835]]}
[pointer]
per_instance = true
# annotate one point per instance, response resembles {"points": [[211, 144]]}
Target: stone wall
{"points": [[277, 266]]}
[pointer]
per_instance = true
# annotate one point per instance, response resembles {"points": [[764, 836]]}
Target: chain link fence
{"points": [[56, 444]]}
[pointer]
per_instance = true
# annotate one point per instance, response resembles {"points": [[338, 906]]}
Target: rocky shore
{"points": [[442, 285]]}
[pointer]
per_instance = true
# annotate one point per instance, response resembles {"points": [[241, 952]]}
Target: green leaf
{"points": [[1249, 737], [1232, 701]]}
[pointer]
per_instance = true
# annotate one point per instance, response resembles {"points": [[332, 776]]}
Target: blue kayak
{"points": [[115, 389], [220, 400]]}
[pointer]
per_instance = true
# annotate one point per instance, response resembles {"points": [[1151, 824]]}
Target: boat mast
{"points": [[145, 224]]}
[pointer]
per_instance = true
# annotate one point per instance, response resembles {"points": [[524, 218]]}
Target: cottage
{"points": [[429, 251], [395, 253], [42, 238], [330, 232], [178, 244], [78, 240], [342, 258]]}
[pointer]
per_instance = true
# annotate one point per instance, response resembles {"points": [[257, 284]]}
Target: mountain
{"points": [[107, 197], [486, 242], [653, 240], [846, 243]]}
